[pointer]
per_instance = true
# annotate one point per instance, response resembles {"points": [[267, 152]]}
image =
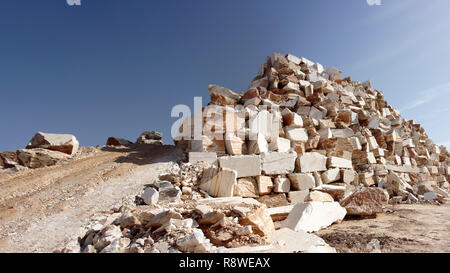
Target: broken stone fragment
{"points": [[260, 221], [313, 216], [366, 201], [150, 196], [210, 218], [195, 242], [162, 217], [64, 143], [223, 96], [247, 187], [219, 182]]}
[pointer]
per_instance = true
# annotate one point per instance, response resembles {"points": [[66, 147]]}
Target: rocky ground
{"points": [[41, 210]]}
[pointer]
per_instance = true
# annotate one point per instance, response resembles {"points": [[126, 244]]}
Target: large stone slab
{"points": [[244, 165], [313, 162], [278, 163], [64, 143], [338, 162], [313, 216]]}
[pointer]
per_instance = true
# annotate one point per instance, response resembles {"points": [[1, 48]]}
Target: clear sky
{"points": [[116, 67]]}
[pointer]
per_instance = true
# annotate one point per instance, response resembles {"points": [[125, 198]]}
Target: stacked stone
{"points": [[332, 135]]}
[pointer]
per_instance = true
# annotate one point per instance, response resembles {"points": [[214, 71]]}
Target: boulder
{"points": [[366, 201], [223, 96], [152, 137], [150, 196], [313, 216], [8, 159], [113, 141], [37, 158], [64, 143]]}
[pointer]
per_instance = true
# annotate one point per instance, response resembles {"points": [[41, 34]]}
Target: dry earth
{"points": [[41, 210], [402, 228]]}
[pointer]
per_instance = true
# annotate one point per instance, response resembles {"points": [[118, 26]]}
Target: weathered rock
{"points": [[64, 143], [336, 191], [152, 137], [313, 216], [114, 141], [37, 158], [223, 96], [366, 201], [8, 159]]}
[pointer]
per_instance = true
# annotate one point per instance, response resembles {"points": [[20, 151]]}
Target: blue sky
{"points": [[116, 68]]}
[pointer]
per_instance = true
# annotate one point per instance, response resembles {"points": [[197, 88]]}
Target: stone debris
{"points": [[297, 151]]}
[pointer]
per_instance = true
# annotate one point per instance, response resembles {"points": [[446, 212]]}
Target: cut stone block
{"points": [[209, 157], [337, 162], [295, 197], [302, 181], [296, 134], [313, 216], [313, 162], [278, 163], [258, 146], [331, 175], [235, 145], [244, 165], [279, 144]]}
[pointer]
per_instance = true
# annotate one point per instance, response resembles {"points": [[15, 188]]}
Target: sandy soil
{"points": [[403, 228], [41, 210]]}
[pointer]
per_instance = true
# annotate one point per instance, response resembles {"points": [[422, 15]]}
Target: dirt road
{"points": [[407, 228], [41, 210]]}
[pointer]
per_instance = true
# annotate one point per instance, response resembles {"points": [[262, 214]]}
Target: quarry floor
{"points": [[42, 210]]}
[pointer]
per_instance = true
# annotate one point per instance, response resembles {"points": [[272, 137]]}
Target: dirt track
{"points": [[41, 210]]}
